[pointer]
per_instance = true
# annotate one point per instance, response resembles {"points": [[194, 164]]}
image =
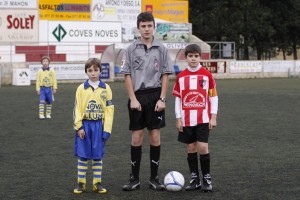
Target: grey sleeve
{"points": [[125, 66], [167, 63]]}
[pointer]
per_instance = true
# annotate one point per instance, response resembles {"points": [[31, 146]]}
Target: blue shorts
{"points": [[92, 146], [46, 94]]}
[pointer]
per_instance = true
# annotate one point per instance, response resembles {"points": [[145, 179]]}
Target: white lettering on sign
{"points": [[19, 22], [175, 45]]}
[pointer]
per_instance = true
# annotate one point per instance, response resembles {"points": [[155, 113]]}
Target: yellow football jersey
{"points": [[46, 78], [94, 104]]}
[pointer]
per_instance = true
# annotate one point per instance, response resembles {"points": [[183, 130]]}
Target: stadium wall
{"points": [[221, 69]]}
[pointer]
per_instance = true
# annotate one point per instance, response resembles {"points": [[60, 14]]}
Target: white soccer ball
{"points": [[174, 181]]}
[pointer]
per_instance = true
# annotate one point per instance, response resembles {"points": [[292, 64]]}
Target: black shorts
{"points": [[192, 134], [147, 117]]}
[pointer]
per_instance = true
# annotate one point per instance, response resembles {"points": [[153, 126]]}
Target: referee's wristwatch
{"points": [[163, 99]]}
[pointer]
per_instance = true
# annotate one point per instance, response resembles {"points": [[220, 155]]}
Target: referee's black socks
{"points": [[136, 155], [154, 160]]}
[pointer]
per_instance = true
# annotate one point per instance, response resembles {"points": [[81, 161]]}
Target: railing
{"points": [[81, 51], [21, 55], [60, 52], [222, 50]]}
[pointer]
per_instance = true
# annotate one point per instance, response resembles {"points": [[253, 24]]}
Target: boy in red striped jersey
{"points": [[196, 107]]}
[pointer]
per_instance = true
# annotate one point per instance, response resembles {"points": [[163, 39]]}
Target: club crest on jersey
{"points": [[103, 95], [202, 83], [193, 100], [46, 82], [155, 63]]}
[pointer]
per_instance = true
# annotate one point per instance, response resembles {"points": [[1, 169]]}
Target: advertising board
{"points": [[18, 25]]}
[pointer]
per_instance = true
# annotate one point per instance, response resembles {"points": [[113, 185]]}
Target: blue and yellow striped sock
{"points": [[48, 109], [82, 166], [41, 108], [97, 171]]}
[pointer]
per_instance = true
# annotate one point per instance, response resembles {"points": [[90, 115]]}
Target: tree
{"points": [[286, 22], [264, 25]]}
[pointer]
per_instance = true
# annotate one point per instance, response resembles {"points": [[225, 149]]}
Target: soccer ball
{"points": [[174, 181]]}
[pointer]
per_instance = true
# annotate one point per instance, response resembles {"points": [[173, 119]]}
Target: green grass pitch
{"points": [[254, 150]]}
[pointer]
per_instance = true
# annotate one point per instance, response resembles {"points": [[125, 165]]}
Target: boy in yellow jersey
{"points": [[93, 119], [46, 86]]}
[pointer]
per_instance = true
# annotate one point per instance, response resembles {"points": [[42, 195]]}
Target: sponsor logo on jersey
{"points": [[193, 100], [93, 111]]}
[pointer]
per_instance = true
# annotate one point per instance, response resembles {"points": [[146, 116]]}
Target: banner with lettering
{"points": [[18, 4], [66, 31], [112, 10], [245, 66], [67, 10], [171, 32], [171, 11], [19, 25], [69, 71]]}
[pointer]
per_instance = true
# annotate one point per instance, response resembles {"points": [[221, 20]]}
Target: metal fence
{"points": [[81, 51], [21, 55]]}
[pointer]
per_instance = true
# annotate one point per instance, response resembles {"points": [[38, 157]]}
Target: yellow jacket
{"points": [[46, 78], [94, 104]]}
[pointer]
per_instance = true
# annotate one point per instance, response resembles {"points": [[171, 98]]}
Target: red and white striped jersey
{"points": [[198, 96]]}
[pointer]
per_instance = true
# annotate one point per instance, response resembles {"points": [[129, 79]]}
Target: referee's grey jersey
{"points": [[146, 66]]}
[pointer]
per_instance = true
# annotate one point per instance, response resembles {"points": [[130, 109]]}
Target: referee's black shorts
{"points": [[147, 118]]}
